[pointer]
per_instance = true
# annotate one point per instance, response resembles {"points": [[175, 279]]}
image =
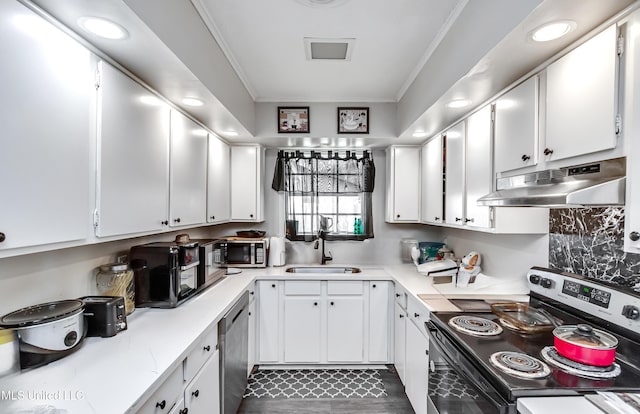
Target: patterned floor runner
{"points": [[316, 383]]}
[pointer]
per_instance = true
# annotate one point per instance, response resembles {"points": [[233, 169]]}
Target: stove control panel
{"points": [[606, 302]]}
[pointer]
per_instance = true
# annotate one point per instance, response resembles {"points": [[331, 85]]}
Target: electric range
{"points": [[468, 372]]}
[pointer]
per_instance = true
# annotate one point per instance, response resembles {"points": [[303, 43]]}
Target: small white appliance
{"points": [[277, 253]]}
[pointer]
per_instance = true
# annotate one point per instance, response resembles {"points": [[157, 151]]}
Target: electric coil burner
{"points": [[520, 365], [551, 355], [474, 325], [499, 366]]}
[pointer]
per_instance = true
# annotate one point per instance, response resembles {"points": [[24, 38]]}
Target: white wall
{"points": [[323, 119], [503, 255]]}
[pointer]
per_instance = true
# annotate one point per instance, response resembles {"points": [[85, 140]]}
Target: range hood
{"points": [[595, 184]]}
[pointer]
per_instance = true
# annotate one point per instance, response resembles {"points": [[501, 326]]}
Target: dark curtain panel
{"points": [[318, 186]]}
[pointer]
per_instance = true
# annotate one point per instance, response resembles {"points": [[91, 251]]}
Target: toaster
{"points": [[104, 315]]}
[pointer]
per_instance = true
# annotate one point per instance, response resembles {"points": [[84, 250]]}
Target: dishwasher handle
{"points": [[233, 314]]}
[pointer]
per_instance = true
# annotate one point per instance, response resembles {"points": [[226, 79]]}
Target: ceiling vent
{"points": [[328, 49]]}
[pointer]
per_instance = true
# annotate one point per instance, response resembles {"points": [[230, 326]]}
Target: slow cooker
{"points": [[48, 331]]}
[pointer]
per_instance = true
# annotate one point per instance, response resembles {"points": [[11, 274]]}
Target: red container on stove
{"points": [[582, 343]]}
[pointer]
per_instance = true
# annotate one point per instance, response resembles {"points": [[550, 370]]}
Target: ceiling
{"points": [[396, 45], [264, 40]]}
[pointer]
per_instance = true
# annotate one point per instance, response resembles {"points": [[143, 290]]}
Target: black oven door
{"points": [[455, 385]]}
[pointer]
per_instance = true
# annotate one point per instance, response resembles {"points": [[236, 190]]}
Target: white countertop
{"points": [[549, 405], [117, 374]]}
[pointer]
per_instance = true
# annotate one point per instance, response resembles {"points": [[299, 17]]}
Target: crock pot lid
{"points": [[584, 335], [39, 314]]}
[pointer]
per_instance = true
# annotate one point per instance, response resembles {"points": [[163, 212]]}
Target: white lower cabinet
{"points": [[400, 332], [323, 322], [380, 321], [302, 320], [268, 321], [345, 329], [202, 395], [417, 367], [164, 398]]}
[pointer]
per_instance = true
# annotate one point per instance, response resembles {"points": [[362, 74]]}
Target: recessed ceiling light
{"points": [[419, 134], [322, 3], [103, 28], [459, 103], [230, 133], [553, 30], [150, 100], [192, 102]]}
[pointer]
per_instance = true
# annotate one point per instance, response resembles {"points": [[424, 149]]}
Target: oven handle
{"points": [[431, 328]]}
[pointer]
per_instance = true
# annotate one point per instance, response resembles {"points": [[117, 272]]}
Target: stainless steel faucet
{"points": [[322, 234]]}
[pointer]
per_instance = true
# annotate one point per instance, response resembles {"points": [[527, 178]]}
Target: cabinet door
{"points": [[403, 192], [345, 329], [302, 328], [581, 99], [400, 329], [246, 183], [478, 167], [218, 182], [133, 157], [268, 321], [417, 368], [188, 172], [379, 320], [516, 127], [432, 181], [454, 180], [46, 105], [202, 395]]}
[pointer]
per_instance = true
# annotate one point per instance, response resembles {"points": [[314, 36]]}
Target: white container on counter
{"points": [[9, 354]]}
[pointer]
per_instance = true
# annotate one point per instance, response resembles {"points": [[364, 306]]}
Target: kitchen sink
{"points": [[322, 269]]}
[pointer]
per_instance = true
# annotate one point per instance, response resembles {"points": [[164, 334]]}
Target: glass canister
{"points": [[116, 279]]}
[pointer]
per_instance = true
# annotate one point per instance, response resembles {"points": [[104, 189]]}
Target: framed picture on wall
{"points": [[292, 119], [353, 120]]}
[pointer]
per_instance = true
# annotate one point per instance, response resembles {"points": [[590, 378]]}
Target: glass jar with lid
{"points": [[116, 279]]}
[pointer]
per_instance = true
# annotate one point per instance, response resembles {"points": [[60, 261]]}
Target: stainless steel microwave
{"points": [[241, 252]]}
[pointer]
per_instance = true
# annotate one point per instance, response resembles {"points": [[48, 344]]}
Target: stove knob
{"points": [[546, 283], [535, 279], [630, 312]]}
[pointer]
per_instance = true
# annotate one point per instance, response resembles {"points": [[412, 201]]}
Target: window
{"points": [[331, 193]]}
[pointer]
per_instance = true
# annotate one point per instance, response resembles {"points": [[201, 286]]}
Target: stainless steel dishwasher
{"points": [[233, 331]]}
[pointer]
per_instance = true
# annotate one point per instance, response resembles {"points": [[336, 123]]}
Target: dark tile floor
{"points": [[395, 402]]}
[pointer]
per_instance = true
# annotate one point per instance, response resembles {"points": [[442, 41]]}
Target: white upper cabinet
{"points": [[403, 184], [516, 127], [133, 157], [46, 137], [581, 99], [454, 178], [247, 195], [432, 181], [188, 172], [218, 181], [479, 168]]}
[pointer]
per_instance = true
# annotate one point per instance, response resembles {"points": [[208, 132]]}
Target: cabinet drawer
{"points": [[401, 297], [162, 401], [418, 314], [302, 287], [204, 348], [340, 287]]}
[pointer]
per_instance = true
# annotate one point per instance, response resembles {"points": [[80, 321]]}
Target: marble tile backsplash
{"points": [[589, 242]]}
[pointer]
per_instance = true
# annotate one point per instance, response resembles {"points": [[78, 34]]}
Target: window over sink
{"points": [[329, 192]]}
